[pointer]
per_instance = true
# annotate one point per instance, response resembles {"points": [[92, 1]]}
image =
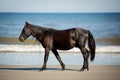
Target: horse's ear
{"points": [[28, 25], [26, 22]]}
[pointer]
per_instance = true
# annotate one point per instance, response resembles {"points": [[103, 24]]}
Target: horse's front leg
{"points": [[47, 50]]}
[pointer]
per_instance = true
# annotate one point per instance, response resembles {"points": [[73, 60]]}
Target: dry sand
{"points": [[96, 72]]}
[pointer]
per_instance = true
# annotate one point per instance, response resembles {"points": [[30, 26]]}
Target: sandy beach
{"points": [[96, 72]]}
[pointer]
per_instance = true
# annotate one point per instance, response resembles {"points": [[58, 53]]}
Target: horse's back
{"points": [[65, 35]]}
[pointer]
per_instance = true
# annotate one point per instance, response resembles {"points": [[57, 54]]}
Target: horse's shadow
{"points": [[38, 69]]}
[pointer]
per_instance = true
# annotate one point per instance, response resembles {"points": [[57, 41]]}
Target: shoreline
{"points": [[53, 72]]}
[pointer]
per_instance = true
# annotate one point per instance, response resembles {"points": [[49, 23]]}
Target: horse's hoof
{"points": [[83, 69], [63, 69], [42, 69]]}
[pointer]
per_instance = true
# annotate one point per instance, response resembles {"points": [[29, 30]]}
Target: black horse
{"points": [[52, 39]]}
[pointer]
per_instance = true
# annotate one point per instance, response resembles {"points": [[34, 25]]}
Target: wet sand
{"points": [[96, 72], [32, 41]]}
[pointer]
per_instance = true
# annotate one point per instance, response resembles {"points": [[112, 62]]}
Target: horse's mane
{"points": [[39, 27]]}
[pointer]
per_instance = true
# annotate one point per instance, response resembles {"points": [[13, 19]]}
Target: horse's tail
{"points": [[91, 45]]}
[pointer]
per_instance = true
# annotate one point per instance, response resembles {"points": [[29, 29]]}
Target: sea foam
{"points": [[39, 48]]}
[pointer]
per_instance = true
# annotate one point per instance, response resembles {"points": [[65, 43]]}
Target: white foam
{"points": [[21, 48], [39, 48]]}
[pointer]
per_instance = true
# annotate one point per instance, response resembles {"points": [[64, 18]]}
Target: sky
{"points": [[59, 5]]}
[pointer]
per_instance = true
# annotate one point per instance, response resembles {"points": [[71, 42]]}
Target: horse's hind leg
{"points": [[85, 54], [58, 58]]}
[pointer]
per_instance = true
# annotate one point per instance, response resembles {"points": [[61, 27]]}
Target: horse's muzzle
{"points": [[21, 39]]}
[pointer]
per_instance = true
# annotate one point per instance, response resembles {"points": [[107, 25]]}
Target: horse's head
{"points": [[26, 32]]}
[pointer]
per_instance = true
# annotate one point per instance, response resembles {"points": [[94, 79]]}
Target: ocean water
{"points": [[102, 25], [69, 59]]}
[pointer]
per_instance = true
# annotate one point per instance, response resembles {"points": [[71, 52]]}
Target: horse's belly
{"points": [[64, 46], [64, 41]]}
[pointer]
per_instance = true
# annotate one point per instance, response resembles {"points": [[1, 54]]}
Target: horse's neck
{"points": [[37, 32]]}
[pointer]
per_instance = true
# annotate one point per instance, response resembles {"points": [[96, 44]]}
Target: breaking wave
{"points": [[39, 48]]}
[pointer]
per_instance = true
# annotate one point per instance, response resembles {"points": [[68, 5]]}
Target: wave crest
{"points": [[39, 48]]}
